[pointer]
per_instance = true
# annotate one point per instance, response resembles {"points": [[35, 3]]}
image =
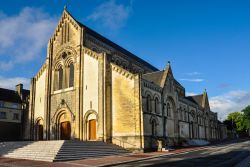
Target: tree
{"points": [[237, 121], [229, 124], [246, 118]]}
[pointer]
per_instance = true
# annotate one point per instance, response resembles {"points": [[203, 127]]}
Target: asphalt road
{"points": [[222, 155]]}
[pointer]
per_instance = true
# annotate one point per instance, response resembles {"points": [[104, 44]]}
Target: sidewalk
{"points": [[103, 161], [244, 163]]}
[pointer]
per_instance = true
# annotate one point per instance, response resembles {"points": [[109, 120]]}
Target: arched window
{"points": [[148, 103], [71, 75], [185, 115], [156, 105], [153, 128], [181, 117], [60, 78], [168, 110]]}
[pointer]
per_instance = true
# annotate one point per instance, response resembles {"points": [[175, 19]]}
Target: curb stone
{"points": [[152, 157]]}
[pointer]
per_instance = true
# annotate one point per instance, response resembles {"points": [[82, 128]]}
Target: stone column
{"points": [[31, 108], [48, 90], [78, 94], [101, 97], [108, 99]]}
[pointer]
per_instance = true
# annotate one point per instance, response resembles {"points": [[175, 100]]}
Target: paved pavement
{"points": [[229, 154]]}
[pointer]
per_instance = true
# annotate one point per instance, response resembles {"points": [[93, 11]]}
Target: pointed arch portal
{"points": [[91, 121]]}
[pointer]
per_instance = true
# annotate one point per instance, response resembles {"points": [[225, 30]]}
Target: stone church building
{"points": [[89, 88]]}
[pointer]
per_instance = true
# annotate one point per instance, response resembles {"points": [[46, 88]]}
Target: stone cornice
{"points": [[40, 72], [122, 71], [91, 53], [151, 85]]}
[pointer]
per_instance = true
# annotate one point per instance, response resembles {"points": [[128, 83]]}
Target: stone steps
{"points": [[59, 150]]}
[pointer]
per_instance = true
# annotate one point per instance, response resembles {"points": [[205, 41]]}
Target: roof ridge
{"points": [[195, 95], [153, 72], [120, 48], [8, 89]]}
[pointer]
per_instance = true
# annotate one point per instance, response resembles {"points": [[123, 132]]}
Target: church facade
{"points": [[89, 88]]}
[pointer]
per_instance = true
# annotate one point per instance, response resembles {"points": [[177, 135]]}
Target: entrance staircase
{"points": [[60, 150]]}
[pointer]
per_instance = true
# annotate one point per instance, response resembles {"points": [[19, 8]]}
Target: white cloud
{"points": [[6, 65], [192, 80], [111, 14], [190, 94], [23, 36], [229, 102], [10, 83], [193, 73]]}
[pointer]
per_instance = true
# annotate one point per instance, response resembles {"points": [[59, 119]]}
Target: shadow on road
{"points": [[217, 160]]}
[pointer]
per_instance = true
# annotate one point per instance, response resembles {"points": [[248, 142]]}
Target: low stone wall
{"points": [[10, 131]]}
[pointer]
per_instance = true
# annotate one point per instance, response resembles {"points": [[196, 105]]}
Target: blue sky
{"points": [[207, 42]]}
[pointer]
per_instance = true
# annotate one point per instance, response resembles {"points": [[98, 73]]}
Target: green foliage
{"points": [[237, 120], [246, 117]]}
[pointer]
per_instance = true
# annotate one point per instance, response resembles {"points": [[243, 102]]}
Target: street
{"points": [[231, 154]]}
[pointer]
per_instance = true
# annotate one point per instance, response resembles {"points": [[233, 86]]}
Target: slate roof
{"points": [[117, 47], [114, 45], [154, 77], [196, 99], [9, 96]]}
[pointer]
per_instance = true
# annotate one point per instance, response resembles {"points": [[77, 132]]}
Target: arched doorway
{"points": [[91, 123], [64, 126], [92, 129], [65, 130], [39, 129]]}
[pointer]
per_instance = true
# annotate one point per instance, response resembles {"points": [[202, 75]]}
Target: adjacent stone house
{"points": [[14, 105]]}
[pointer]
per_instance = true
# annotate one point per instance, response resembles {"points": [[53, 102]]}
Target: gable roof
{"points": [[201, 100], [196, 99], [110, 43], [9, 96], [167, 72], [159, 77], [154, 77]]}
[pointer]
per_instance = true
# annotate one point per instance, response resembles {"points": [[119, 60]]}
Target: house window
{"points": [[156, 105], [60, 78], [15, 116], [14, 105], [168, 110], [71, 75], [1, 104], [148, 103], [2, 115]]}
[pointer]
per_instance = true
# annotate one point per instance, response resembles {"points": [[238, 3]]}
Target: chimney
{"points": [[19, 89]]}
